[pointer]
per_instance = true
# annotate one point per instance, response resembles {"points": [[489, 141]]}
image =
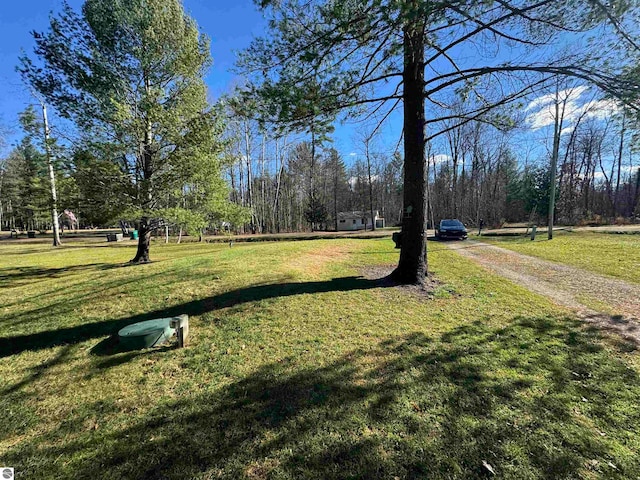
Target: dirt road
{"points": [[567, 286]]}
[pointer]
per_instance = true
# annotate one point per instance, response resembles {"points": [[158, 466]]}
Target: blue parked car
{"points": [[451, 228]]}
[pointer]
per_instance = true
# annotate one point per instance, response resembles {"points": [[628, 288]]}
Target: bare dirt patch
{"points": [[565, 285], [382, 275]]}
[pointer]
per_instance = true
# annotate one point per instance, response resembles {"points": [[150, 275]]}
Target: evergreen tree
{"points": [[24, 192], [130, 74]]}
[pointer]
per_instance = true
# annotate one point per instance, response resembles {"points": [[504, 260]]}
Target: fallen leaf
{"points": [[488, 467]]}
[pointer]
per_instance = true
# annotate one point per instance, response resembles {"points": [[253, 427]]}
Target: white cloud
{"points": [[541, 118], [543, 108], [353, 154], [601, 109], [440, 158], [571, 94], [547, 114], [540, 101], [601, 175], [353, 181], [566, 131]]}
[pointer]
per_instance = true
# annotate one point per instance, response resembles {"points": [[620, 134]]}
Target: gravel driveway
{"points": [[567, 286]]}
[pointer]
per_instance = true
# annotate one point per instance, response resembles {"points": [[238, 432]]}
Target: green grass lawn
{"points": [[300, 368], [608, 254]]}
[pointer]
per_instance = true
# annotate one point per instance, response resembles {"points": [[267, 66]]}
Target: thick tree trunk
{"points": [[147, 193], [412, 267], [144, 241]]}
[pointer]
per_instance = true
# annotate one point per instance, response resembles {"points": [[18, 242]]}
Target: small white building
{"points": [[359, 221]]}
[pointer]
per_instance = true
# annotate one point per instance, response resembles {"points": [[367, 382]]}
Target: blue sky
{"points": [[230, 24]]}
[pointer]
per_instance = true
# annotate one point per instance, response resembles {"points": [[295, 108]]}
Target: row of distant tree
{"points": [[270, 181], [96, 189], [478, 174]]}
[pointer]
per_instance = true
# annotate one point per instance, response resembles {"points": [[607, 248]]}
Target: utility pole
{"points": [[620, 151], [366, 150], [52, 179], [557, 132]]}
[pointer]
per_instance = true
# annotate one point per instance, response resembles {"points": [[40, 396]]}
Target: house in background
{"points": [[359, 220]]}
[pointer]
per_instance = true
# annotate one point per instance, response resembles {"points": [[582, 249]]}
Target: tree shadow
{"points": [[115, 355], [25, 251], [17, 276], [409, 407], [71, 295], [623, 328], [38, 370], [79, 333]]}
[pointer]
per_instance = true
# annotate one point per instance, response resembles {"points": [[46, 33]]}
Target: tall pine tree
{"points": [[130, 74], [322, 57]]}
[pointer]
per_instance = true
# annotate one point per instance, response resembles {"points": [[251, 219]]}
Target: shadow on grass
{"points": [[38, 370], [79, 333], [16, 276], [110, 346], [25, 251], [537, 399]]}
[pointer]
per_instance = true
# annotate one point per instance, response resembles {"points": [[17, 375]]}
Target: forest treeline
{"points": [[136, 137], [478, 173]]}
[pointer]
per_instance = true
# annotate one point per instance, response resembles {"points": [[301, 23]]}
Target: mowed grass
{"points": [[608, 254], [300, 368]]}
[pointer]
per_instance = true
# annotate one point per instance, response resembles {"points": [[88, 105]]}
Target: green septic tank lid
{"points": [[145, 334]]}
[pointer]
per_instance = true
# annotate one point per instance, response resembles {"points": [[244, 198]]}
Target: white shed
{"points": [[358, 220]]}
